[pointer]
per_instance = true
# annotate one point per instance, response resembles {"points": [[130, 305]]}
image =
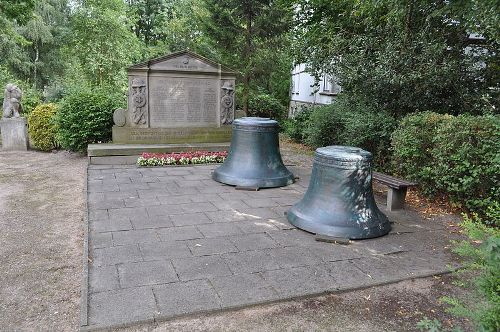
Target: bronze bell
{"points": [[254, 158], [339, 201]]}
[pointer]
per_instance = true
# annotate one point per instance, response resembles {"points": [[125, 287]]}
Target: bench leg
{"points": [[396, 199]]}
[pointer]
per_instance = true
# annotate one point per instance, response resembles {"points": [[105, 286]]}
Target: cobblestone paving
{"points": [[170, 241]]}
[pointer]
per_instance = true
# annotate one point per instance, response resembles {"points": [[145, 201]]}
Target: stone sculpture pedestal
{"points": [[14, 134]]}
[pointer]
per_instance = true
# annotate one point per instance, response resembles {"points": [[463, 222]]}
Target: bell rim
{"points": [[377, 229], [254, 182]]}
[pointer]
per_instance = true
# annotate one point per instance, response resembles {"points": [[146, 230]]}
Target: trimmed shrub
{"points": [[295, 127], [467, 160], [371, 131], [412, 143], [85, 117], [42, 127], [456, 156], [324, 126], [351, 123], [265, 105]]}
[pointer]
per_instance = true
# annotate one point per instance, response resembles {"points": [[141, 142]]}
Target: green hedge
{"points": [[456, 156], [295, 127], [42, 127], [85, 117], [345, 122], [265, 105]]}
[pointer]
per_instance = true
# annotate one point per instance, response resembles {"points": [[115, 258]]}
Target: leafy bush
{"points": [[324, 126], [42, 127], [482, 253], [369, 130], [467, 164], [457, 156], [295, 127], [54, 91], [353, 123], [86, 116], [30, 99], [265, 105], [412, 143]]}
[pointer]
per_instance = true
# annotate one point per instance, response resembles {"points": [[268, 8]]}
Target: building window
{"points": [[327, 83], [295, 83], [330, 87]]}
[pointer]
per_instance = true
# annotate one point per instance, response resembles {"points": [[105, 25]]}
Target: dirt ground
{"points": [[41, 246], [394, 307], [41, 213]]}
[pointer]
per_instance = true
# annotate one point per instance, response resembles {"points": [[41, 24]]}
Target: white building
{"points": [[306, 90]]}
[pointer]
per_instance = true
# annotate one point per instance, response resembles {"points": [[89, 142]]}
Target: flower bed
{"points": [[182, 158]]}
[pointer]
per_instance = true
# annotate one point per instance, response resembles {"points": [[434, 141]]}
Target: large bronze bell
{"points": [[339, 201], [254, 158]]}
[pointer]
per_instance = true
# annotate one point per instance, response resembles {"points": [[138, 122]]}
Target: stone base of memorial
{"points": [[130, 135], [14, 134]]}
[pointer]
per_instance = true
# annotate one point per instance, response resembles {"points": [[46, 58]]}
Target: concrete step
{"points": [[127, 154]]}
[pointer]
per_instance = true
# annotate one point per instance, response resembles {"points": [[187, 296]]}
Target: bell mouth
{"points": [[377, 226]]}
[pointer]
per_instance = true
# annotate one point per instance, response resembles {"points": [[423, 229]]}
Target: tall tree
{"points": [[168, 25], [401, 56], [241, 29], [150, 16], [12, 15], [44, 33], [102, 40]]}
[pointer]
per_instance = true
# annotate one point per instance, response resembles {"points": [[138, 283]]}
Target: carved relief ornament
{"points": [[227, 103], [139, 101]]}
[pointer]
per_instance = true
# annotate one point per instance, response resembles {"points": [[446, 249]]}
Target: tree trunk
{"points": [[246, 93], [37, 54], [247, 56]]}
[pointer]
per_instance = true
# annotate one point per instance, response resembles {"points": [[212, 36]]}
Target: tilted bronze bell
{"points": [[339, 201], [254, 158]]}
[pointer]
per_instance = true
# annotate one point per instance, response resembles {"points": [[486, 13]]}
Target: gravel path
{"points": [[41, 210]]}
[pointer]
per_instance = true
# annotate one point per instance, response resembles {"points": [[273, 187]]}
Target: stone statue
{"points": [[226, 103], [12, 101], [139, 99]]}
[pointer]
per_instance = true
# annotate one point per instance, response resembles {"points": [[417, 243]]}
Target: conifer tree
{"points": [[241, 29]]}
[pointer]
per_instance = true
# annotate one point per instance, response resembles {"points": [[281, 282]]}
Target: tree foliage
{"points": [[102, 41], [406, 55], [455, 156], [247, 34], [13, 14], [45, 32]]}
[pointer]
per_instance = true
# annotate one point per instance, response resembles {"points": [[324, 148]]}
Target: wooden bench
{"points": [[397, 190]]}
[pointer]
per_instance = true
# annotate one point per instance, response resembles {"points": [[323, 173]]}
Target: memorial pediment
{"points": [[185, 61]]}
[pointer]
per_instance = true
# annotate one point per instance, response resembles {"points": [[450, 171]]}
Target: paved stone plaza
{"points": [[170, 241]]}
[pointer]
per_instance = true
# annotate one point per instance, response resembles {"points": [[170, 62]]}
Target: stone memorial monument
{"points": [[13, 127], [178, 98]]}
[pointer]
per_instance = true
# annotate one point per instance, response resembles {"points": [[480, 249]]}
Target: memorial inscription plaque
{"points": [[180, 97], [180, 102]]}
